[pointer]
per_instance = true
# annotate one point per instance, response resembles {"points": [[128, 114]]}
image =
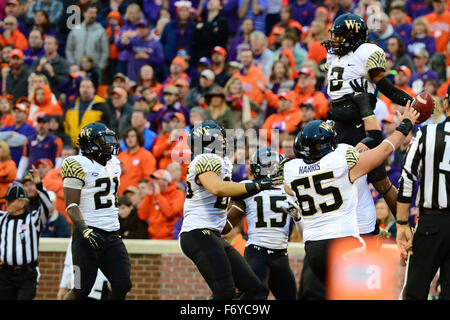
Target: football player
{"points": [[355, 69], [91, 181], [268, 227], [205, 215], [323, 182]]}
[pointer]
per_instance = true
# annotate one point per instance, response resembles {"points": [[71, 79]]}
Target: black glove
{"points": [[269, 183], [360, 86], [96, 240]]}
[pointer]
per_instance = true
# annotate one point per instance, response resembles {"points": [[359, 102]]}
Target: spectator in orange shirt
{"points": [[42, 104], [306, 92], [8, 170], [171, 145], [162, 206], [439, 21], [177, 71], [285, 22], [315, 36], [136, 162], [12, 35], [401, 81], [285, 120], [53, 181], [6, 116], [248, 75]]}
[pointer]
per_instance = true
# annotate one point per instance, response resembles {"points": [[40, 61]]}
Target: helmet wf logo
{"points": [[352, 24], [86, 132]]}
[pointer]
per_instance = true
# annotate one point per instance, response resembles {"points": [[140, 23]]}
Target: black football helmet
{"points": [[347, 33], [98, 141], [207, 137], [265, 162], [317, 139]]}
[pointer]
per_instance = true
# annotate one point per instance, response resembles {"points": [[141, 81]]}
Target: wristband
{"points": [[405, 127], [252, 188], [402, 222], [71, 206], [392, 145]]}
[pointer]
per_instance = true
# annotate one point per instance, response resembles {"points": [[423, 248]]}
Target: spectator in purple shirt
{"points": [[303, 11], [398, 15], [422, 72], [151, 10], [255, 10], [14, 8], [421, 38], [416, 8], [247, 27], [35, 47], [20, 113], [128, 31], [144, 50]]}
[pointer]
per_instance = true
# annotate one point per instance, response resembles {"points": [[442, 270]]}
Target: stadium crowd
{"points": [[152, 69]]}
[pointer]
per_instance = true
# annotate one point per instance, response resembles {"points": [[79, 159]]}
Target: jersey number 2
{"points": [[99, 204], [337, 82]]}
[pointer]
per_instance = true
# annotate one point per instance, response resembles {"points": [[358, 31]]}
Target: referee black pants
{"points": [[273, 269], [113, 261], [221, 265], [18, 285], [431, 251]]}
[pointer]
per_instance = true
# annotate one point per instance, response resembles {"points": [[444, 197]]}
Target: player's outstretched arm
{"points": [[373, 158], [388, 89], [219, 188]]}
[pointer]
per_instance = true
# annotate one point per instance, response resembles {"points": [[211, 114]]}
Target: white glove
{"points": [[293, 210]]}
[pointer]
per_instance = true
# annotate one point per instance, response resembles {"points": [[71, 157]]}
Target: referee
{"points": [[19, 239], [427, 159]]}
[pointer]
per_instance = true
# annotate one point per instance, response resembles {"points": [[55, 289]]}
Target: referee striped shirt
{"points": [[428, 159], [19, 235]]}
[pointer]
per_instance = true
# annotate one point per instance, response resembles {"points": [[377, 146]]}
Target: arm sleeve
{"points": [[396, 95], [71, 168], [351, 156], [207, 163], [412, 167], [376, 60]]}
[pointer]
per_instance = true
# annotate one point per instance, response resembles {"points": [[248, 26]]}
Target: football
{"points": [[424, 104]]}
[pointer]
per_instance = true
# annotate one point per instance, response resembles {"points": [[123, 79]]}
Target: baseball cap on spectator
{"points": [[278, 30], [171, 89], [46, 162], [28, 177], [15, 192], [161, 174], [404, 69], [180, 61], [183, 3], [120, 91], [220, 50], [283, 95], [306, 71], [178, 115], [13, 2], [142, 23], [421, 54], [234, 64], [43, 118], [131, 189], [120, 75], [208, 74], [22, 107], [204, 61], [307, 106], [16, 53], [182, 83]]}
